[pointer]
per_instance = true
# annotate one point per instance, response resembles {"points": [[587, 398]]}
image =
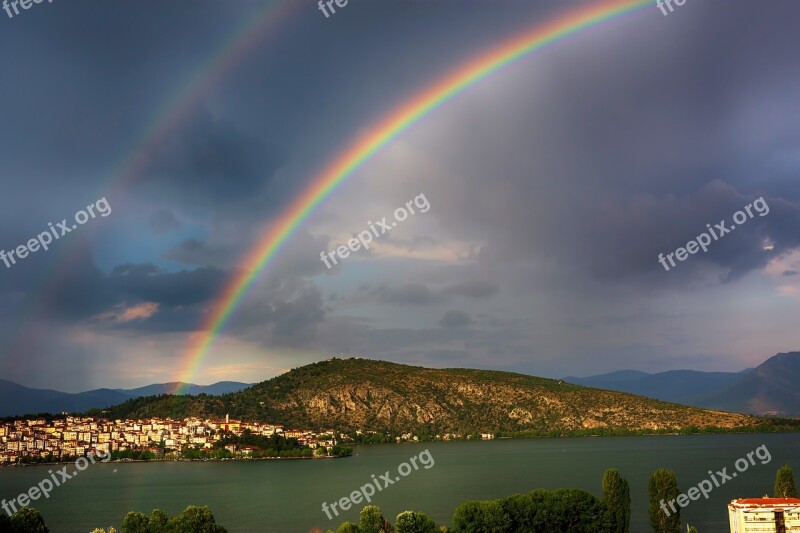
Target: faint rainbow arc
{"points": [[189, 92], [368, 144]]}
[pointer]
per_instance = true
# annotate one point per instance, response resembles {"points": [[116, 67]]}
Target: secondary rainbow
{"points": [[253, 28], [369, 143]]}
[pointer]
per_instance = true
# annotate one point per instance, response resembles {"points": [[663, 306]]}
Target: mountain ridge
{"points": [[768, 389], [18, 400], [364, 394]]}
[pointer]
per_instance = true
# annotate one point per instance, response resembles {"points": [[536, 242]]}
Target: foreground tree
{"points": [[414, 522], [27, 520], [663, 487], [348, 527], [483, 516], [784, 483], [617, 499], [158, 522], [371, 520], [135, 523], [195, 519]]}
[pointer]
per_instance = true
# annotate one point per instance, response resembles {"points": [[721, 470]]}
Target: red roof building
{"points": [[763, 515]]}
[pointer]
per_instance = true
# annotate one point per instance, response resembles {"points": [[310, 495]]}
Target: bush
{"points": [[27, 520], [195, 519], [135, 523], [414, 522], [371, 520], [347, 527], [481, 517]]}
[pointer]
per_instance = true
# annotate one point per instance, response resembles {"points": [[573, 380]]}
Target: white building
{"points": [[764, 515]]}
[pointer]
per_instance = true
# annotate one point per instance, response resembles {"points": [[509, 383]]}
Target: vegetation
{"points": [[414, 522], [26, 520], [193, 519], [272, 446], [663, 486], [784, 483], [540, 511], [389, 399], [371, 520], [617, 499]]}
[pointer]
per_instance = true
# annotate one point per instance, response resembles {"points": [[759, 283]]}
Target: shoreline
{"points": [[117, 461]]}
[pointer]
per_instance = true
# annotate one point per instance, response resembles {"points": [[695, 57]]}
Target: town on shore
{"points": [[63, 439]]}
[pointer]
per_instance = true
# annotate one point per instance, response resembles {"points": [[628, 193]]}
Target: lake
{"points": [[287, 496]]}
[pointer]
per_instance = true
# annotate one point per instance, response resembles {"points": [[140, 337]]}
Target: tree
{"points": [[663, 487], [784, 483], [481, 517], [525, 515], [414, 522], [371, 520], [617, 499], [135, 523], [577, 511], [690, 529], [195, 519], [158, 522], [28, 520], [347, 527]]}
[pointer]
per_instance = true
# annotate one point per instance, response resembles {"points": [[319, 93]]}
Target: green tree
{"points": [[28, 520], [784, 483], [5, 522], [617, 499], [525, 516], [158, 522], [347, 527], [481, 517], [690, 529], [371, 520], [414, 522], [577, 511], [135, 523], [663, 487], [194, 519]]}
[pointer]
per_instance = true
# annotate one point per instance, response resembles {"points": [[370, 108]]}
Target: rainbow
{"points": [[267, 19], [368, 144]]}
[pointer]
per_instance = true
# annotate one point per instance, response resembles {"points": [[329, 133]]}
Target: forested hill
{"points": [[376, 395]]}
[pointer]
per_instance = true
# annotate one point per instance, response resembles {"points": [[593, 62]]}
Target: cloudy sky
{"points": [[553, 186]]}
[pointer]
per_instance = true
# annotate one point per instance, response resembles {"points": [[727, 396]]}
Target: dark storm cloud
{"points": [[455, 319], [213, 160], [620, 160], [187, 287]]}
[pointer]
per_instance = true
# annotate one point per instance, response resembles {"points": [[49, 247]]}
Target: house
{"points": [[751, 515]]}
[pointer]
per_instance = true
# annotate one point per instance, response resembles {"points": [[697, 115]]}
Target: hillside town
{"points": [[71, 436]]}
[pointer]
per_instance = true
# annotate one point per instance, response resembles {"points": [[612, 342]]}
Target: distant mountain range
{"points": [[16, 400], [351, 394], [772, 388]]}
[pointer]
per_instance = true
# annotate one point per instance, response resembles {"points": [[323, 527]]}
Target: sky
{"points": [[552, 187]]}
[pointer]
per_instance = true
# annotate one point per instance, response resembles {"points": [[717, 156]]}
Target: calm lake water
{"points": [[287, 496]]}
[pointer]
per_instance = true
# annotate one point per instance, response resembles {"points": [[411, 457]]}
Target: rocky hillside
{"points": [[367, 394]]}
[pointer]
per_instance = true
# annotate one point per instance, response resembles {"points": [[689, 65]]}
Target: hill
{"points": [[680, 386], [769, 389], [351, 394], [17, 400], [772, 388]]}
